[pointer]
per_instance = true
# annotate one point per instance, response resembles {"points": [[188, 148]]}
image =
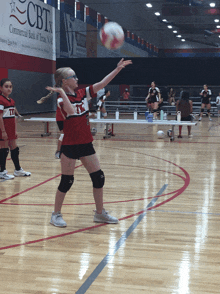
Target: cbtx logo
{"points": [[36, 15]]}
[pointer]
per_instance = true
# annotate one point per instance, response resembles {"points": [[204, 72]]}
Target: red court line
{"points": [[75, 204], [28, 189], [181, 190], [187, 181]]}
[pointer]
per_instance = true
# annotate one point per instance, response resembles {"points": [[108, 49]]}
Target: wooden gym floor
{"points": [[165, 194]]}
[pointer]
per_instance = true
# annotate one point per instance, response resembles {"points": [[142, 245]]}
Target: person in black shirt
{"points": [[206, 97], [153, 98]]}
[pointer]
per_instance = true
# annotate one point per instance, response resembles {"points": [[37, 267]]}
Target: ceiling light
{"points": [[219, 36], [169, 27], [149, 5], [212, 4], [157, 13], [218, 27], [164, 20], [216, 20], [183, 40], [175, 32], [179, 36]]}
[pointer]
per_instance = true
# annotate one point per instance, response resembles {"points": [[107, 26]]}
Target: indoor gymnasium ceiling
{"points": [[194, 20]]}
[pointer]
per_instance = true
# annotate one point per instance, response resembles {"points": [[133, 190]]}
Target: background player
{"points": [[206, 98], [101, 97], [77, 141], [8, 134], [153, 98]]}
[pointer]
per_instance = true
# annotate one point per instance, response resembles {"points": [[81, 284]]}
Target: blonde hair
{"points": [[60, 74]]}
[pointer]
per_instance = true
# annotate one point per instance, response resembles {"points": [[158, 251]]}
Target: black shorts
{"points": [[154, 99], [205, 101], [187, 118], [60, 125], [77, 151]]}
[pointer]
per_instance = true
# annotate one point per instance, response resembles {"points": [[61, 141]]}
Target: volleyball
{"points": [[160, 134], [112, 35]]}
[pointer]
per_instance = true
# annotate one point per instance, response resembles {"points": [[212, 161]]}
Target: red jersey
{"points": [[76, 128], [7, 107]]}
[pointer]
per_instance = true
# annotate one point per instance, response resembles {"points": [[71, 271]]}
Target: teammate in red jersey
{"points": [[8, 134], [77, 141]]}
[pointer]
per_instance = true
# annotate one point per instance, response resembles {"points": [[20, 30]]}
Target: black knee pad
{"points": [[155, 110], [208, 110], [202, 109], [98, 179], [15, 152], [65, 183]]}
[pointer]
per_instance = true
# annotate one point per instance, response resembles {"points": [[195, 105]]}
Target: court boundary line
{"points": [[85, 286]]}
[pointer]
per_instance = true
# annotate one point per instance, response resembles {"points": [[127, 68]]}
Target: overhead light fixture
{"points": [[169, 27], [164, 20], [216, 20], [157, 13], [179, 36], [149, 5], [218, 27], [175, 32], [219, 36], [183, 40], [212, 4]]}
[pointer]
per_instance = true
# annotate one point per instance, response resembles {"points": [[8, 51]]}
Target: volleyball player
{"points": [[8, 133], [206, 98], [77, 141], [153, 98], [101, 97]]}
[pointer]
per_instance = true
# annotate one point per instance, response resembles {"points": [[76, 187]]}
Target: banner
{"points": [[28, 28], [72, 37]]}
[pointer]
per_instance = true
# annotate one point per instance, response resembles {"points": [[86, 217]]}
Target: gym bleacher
{"points": [[138, 94]]}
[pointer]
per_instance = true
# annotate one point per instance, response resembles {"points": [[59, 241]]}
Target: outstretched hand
{"points": [[122, 63]]}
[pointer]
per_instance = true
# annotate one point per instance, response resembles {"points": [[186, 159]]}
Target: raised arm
{"points": [[107, 79]]}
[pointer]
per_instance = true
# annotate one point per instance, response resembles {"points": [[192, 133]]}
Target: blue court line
{"points": [[85, 286], [184, 212]]}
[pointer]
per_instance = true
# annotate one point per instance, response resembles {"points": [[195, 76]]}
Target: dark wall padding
{"points": [[165, 71]]}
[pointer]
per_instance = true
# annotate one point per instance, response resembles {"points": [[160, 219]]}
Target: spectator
{"points": [[185, 106], [126, 96]]}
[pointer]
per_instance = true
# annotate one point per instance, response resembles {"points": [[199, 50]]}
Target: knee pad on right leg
{"points": [[65, 183], [202, 109]]}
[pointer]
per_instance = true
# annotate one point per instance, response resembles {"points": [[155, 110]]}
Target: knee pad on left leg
{"points": [[208, 110], [98, 179]]}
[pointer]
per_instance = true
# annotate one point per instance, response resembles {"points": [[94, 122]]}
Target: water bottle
{"points": [[98, 114], [117, 114], [135, 114], [178, 116], [165, 116], [161, 115]]}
